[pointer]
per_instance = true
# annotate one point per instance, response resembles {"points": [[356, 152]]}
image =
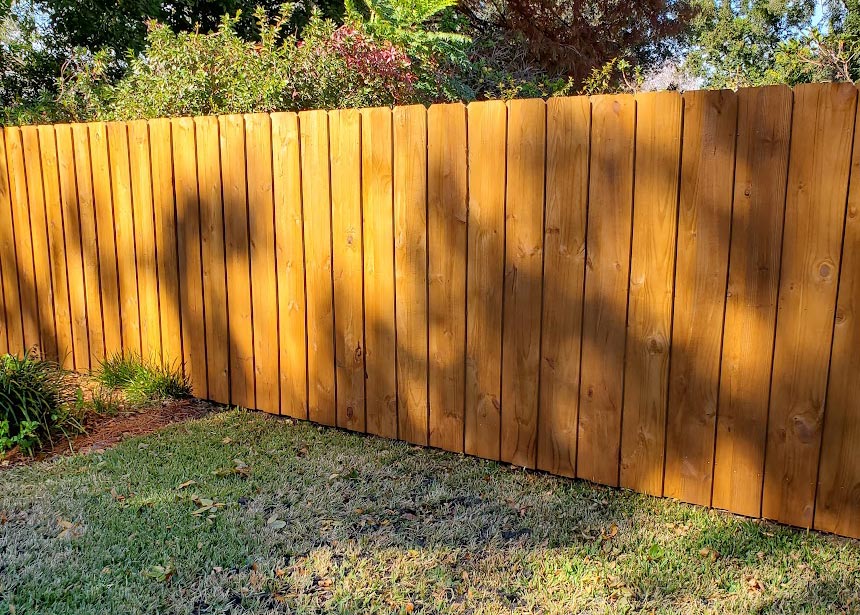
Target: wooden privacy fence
{"points": [[657, 291]]}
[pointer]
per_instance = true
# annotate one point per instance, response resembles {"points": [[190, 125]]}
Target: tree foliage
{"points": [[762, 42], [574, 37]]}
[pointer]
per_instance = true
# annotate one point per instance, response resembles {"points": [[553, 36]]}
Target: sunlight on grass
{"points": [[244, 513]]}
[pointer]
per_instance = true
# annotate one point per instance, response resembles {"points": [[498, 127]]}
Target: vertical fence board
{"points": [[290, 264], [345, 127], [123, 211], [107, 261], [144, 240], [822, 127], [704, 220], [568, 134], [238, 258], [4, 335], [380, 330], [41, 249], [316, 196], [56, 246], [523, 281], [264, 286], [487, 124], [23, 238], [447, 244], [214, 260], [764, 124], [652, 272], [837, 505], [167, 267], [76, 279], [5, 257], [606, 279], [189, 247], [12, 323], [89, 243], [410, 255]]}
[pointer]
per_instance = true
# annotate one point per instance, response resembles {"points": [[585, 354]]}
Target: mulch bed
{"points": [[103, 432]]}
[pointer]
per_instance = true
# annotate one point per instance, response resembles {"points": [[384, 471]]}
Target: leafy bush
{"points": [[35, 397], [218, 73], [140, 381]]}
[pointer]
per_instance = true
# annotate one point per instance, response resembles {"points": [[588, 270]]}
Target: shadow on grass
{"points": [[329, 521]]}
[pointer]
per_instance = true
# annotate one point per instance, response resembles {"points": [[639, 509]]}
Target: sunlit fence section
{"points": [[658, 292]]}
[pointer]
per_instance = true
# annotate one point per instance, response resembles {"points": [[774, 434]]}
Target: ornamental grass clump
{"points": [[36, 398], [140, 381]]}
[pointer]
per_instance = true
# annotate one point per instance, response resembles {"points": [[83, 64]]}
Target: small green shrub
{"points": [[140, 381], [35, 398]]}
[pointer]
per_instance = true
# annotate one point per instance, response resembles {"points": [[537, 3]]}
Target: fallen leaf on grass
{"points": [[187, 483], [68, 529], [754, 586], [710, 553], [159, 573], [611, 533], [239, 468], [275, 523], [206, 507]]}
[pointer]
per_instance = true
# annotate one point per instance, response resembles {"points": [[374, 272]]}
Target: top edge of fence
{"points": [[465, 105]]}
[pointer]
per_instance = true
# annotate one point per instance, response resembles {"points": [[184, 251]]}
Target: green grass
{"points": [[287, 517], [141, 381]]}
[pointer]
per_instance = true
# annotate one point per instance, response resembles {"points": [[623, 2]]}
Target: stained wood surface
{"points": [[764, 125], [39, 234], [410, 256], [189, 252], [345, 140], [213, 257], [58, 258], [447, 192], [380, 329], [606, 277], [290, 264], [167, 261], [264, 284], [818, 171], [704, 220], [568, 137], [316, 197], [70, 208], [487, 125], [144, 240], [654, 291], [652, 273], [523, 281], [89, 243], [123, 212], [23, 239], [231, 129], [106, 240], [9, 268], [838, 499]]}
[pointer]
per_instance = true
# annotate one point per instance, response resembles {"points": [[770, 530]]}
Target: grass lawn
{"points": [[244, 513]]}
